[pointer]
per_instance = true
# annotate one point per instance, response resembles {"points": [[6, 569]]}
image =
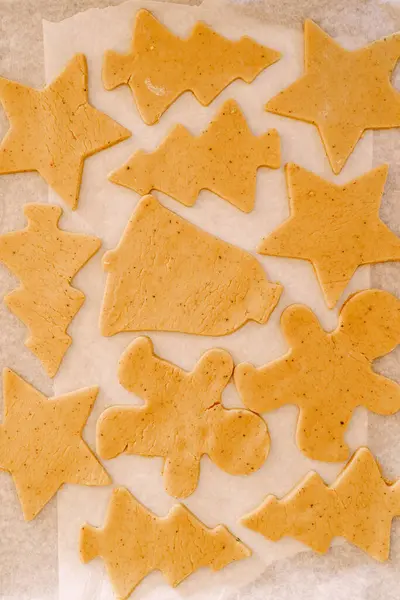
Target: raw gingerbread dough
{"points": [[135, 542], [329, 374], [162, 66], [41, 442], [53, 130], [182, 418], [336, 227], [168, 275], [45, 259], [359, 506], [343, 93], [223, 159]]}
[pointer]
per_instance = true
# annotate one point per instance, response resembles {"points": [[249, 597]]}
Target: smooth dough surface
{"points": [[335, 227], [161, 66], [329, 374], [41, 442], [168, 275], [135, 542], [53, 130], [45, 259], [182, 419]]}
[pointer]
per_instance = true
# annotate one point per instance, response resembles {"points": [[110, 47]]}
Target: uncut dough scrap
{"points": [[182, 419], [329, 374], [168, 275]]}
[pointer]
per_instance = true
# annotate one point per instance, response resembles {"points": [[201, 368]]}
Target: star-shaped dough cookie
{"points": [[343, 92], [53, 130], [335, 227], [41, 442]]}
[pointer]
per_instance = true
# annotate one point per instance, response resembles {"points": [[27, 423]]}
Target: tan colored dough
{"points": [[335, 227], [329, 374], [359, 506], [168, 275], [53, 130], [45, 259], [161, 66], [223, 159], [41, 442], [343, 92], [135, 542], [182, 418]]}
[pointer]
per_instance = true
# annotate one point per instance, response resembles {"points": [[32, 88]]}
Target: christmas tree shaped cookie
{"points": [[182, 418], [161, 66], [135, 542], [329, 374]]}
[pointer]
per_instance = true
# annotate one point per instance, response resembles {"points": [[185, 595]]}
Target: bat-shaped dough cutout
{"points": [[161, 66], [182, 419], [329, 374], [45, 259], [358, 506], [134, 542]]}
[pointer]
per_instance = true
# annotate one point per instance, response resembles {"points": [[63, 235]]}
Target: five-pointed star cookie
{"points": [[335, 227], [343, 92], [53, 130], [41, 442]]}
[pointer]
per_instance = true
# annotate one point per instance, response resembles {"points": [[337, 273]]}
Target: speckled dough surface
{"points": [[335, 227], [182, 419], [45, 259], [161, 66], [53, 130], [135, 542], [343, 92], [329, 374], [151, 283]]}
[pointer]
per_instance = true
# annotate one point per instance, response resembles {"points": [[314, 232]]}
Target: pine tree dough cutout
{"points": [[45, 259], [162, 66], [182, 418], [359, 506], [329, 374], [135, 542], [151, 284], [223, 159], [53, 130], [41, 442]]}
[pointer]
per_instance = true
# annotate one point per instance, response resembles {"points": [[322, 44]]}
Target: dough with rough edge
{"points": [[41, 442], [335, 227], [53, 130], [359, 506], [45, 260], [223, 159], [134, 542], [329, 374], [168, 275], [343, 92], [162, 66]]}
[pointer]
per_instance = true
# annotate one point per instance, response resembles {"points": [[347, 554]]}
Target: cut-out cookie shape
{"points": [[162, 66], [168, 275], [53, 130], [182, 419], [343, 92], [335, 227], [45, 259], [329, 374], [41, 442], [224, 159], [134, 542], [359, 506]]}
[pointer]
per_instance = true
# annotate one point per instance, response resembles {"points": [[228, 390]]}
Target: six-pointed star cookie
{"points": [[41, 442], [336, 227], [343, 92], [53, 130]]}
